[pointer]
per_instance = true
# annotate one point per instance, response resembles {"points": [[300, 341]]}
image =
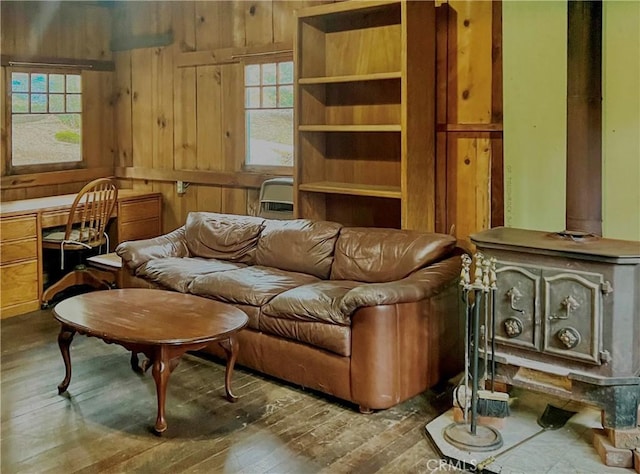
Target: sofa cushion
{"points": [[298, 245], [331, 337], [254, 285], [376, 255], [223, 236], [253, 312], [176, 273], [319, 302]]}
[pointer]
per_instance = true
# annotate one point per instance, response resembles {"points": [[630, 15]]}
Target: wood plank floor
{"points": [[103, 423]]}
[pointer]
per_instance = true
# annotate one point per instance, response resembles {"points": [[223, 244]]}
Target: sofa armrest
{"points": [[420, 285], [134, 253]]}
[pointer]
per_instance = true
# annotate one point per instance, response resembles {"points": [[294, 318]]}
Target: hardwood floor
{"points": [[103, 423]]}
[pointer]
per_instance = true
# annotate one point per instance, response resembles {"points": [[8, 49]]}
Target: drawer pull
{"points": [[515, 295], [568, 304]]}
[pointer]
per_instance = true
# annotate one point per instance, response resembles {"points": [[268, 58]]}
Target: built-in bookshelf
{"points": [[365, 113]]}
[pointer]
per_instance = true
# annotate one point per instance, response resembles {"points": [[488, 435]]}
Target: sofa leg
{"points": [[365, 410]]}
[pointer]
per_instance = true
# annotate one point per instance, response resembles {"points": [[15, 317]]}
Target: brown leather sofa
{"points": [[367, 315]]}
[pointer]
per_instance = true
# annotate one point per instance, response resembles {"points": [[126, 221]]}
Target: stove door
{"points": [[518, 305], [573, 314]]}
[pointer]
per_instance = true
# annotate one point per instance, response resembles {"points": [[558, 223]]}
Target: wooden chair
{"points": [[85, 231]]}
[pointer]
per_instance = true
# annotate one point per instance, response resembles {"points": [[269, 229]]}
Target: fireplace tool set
{"points": [[472, 396]]}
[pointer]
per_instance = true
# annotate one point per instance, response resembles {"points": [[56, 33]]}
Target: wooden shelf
{"points": [[379, 76], [349, 128], [344, 8], [352, 189], [365, 91]]}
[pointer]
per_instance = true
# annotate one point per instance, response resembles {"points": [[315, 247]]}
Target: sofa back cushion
{"points": [[376, 255], [298, 245], [223, 236]]}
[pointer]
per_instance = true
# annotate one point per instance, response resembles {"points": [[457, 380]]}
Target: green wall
{"points": [[535, 78]]}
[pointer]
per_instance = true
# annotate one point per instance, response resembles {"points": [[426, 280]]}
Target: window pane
{"points": [[71, 121], [285, 96], [20, 82], [56, 103], [253, 98], [269, 73], [252, 75], [268, 97], [38, 102], [73, 83], [74, 104], [270, 137], [38, 83], [19, 103], [285, 73], [45, 138], [56, 83]]}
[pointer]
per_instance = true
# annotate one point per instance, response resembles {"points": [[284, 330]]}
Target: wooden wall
{"points": [[177, 108], [469, 115], [72, 32]]}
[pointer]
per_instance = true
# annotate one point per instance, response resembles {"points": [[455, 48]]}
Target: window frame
{"points": [[260, 59], [12, 169]]}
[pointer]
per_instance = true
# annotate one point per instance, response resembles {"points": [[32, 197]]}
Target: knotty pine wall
{"points": [[177, 110], [180, 107], [469, 115], [76, 31]]}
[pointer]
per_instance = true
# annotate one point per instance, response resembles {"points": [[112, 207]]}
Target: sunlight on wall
{"points": [[535, 78], [621, 120], [535, 113]]}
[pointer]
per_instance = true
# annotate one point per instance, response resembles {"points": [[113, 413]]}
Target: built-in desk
{"points": [[138, 215]]}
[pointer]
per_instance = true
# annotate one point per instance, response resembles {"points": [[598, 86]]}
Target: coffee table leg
{"points": [[161, 372], [230, 347], [64, 341], [137, 366]]}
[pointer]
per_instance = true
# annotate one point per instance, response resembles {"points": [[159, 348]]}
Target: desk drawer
{"points": [[134, 211], [18, 228], [141, 229], [18, 250], [19, 283], [60, 218], [54, 219]]}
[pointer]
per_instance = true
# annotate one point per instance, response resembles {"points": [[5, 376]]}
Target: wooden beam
{"points": [[231, 55], [142, 41], [228, 179], [52, 178], [470, 127], [43, 61], [497, 150]]}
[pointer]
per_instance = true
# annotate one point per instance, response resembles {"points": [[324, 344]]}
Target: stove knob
{"points": [[570, 337], [513, 327]]}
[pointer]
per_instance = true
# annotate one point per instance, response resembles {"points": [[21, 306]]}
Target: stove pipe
{"points": [[584, 117]]}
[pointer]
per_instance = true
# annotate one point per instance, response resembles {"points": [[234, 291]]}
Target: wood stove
{"points": [[568, 317], [568, 303]]}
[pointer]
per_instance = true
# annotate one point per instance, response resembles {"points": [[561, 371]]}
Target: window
{"points": [[269, 113], [46, 120]]}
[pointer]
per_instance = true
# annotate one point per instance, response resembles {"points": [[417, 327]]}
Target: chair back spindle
{"points": [[92, 210]]}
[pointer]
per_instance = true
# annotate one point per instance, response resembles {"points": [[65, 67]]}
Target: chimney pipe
{"points": [[584, 117]]}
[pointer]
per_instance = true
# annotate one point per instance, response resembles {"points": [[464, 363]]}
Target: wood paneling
{"points": [[469, 136], [170, 119], [76, 32], [191, 117], [56, 29]]}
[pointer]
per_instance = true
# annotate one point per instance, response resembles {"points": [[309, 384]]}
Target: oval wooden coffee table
{"points": [[161, 324]]}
